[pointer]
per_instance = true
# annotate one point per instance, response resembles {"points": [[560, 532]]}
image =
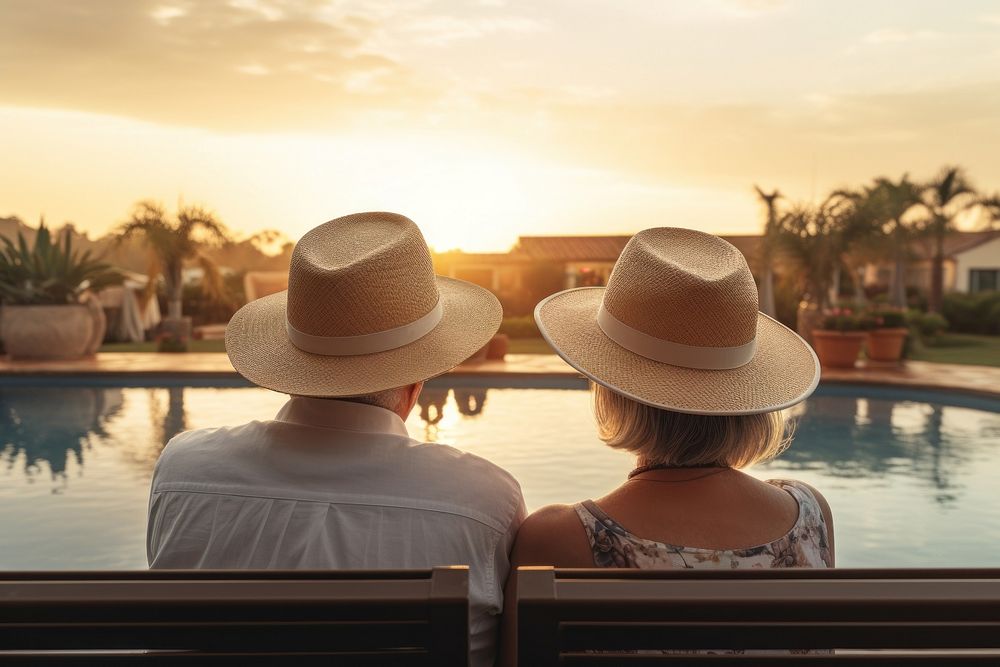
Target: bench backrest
{"points": [[411, 617], [585, 617]]}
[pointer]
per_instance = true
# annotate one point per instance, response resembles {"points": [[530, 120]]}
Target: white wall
{"points": [[985, 256]]}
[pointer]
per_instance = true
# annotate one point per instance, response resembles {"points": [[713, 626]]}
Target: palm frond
{"points": [[212, 283]]}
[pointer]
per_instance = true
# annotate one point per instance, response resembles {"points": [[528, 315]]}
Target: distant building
{"points": [[977, 265], [971, 264], [584, 261]]}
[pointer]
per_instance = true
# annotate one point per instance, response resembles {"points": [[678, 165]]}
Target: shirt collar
{"points": [[341, 415]]}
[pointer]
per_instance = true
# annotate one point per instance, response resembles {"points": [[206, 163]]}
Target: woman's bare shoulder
{"points": [[552, 535]]}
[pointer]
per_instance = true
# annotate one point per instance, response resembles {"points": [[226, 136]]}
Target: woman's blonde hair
{"points": [[661, 437]]}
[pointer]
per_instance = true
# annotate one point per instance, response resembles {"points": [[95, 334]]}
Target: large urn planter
{"points": [[887, 344], [838, 349], [47, 332]]}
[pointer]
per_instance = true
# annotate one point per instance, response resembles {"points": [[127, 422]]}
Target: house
{"points": [[971, 264], [580, 261], [539, 265], [977, 264]]}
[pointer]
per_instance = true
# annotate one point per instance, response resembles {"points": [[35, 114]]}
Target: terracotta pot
{"points": [[838, 349], [46, 332], [886, 344], [498, 347]]}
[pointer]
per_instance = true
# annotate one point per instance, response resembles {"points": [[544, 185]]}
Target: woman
{"points": [[689, 377]]}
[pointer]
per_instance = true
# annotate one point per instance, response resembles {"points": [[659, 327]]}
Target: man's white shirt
{"points": [[335, 485]]}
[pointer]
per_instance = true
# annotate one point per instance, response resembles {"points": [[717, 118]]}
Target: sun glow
{"points": [[465, 196]]}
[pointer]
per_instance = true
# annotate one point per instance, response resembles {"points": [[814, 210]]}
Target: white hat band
{"points": [[380, 341], [675, 354]]}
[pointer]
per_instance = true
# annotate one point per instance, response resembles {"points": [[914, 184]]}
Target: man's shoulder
{"points": [[479, 475], [193, 440], [190, 450]]}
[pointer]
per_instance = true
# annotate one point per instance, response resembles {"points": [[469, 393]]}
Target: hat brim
{"points": [[259, 349], [783, 371]]}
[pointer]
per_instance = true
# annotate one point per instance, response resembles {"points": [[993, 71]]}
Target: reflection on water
{"points": [[910, 481], [469, 402], [873, 437], [53, 425]]}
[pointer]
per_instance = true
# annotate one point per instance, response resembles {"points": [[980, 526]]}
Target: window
{"points": [[984, 280]]}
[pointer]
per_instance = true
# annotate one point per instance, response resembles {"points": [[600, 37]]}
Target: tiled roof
{"points": [[602, 248], [465, 258], [607, 248], [961, 242], [571, 248]]}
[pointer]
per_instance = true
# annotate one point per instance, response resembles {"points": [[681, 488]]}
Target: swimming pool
{"points": [[911, 475]]}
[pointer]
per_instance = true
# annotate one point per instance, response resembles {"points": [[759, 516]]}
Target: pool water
{"points": [[912, 477]]}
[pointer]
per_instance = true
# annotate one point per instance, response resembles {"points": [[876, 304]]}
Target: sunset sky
{"points": [[485, 120]]}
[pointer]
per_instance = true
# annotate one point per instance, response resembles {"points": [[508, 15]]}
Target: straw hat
{"points": [[363, 312], [677, 327]]}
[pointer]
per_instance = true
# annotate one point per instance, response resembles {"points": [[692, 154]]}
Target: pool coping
{"points": [[983, 381]]}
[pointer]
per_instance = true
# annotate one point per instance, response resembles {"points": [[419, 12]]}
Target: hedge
{"points": [[977, 313]]}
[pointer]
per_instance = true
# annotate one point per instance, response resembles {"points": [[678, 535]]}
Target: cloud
{"points": [[313, 67], [211, 63], [896, 36], [757, 6], [442, 30]]}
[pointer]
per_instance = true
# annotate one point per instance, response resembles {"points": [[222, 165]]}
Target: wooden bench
{"points": [[412, 617], [871, 617]]}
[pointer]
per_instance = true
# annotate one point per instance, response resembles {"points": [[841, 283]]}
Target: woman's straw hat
{"points": [[678, 328], [363, 312]]}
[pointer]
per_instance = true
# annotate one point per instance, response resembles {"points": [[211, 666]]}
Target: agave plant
{"points": [[50, 273]]}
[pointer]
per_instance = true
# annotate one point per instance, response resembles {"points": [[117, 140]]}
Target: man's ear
{"points": [[412, 394]]}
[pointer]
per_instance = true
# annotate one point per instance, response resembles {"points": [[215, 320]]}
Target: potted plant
{"points": [[886, 340], [840, 337], [41, 289]]}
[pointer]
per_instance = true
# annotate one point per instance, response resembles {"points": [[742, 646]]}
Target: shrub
{"points": [[889, 318], [977, 313], [845, 319], [170, 342], [522, 326], [931, 325]]}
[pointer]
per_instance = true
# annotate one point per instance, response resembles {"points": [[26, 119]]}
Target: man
{"points": [[334, 481]]}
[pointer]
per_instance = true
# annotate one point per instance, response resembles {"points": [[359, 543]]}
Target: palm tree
{"points": [[867, 240], [946, 196], [767, 250], [814, 238], [890, 204], [991, 204], [174, 242]]}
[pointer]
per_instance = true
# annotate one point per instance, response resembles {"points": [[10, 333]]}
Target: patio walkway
{"points": [[980, 380]]}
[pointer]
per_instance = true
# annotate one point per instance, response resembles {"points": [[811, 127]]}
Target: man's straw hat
{"points": [[678, 328], [363, 312]]}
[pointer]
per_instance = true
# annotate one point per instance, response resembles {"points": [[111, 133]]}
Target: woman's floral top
{"points": [[805, 545]]}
